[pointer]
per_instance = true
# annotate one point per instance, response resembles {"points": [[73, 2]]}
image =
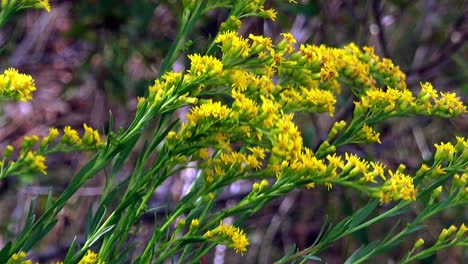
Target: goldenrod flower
{"points": [[18, 258], [203, 153], [461, 231], [91, 137], [444, 151], [171, 135], [378, 170], [246, 106], [436, 193], [258, 187], [310, 100], [233, 23], [335, 161], [8, 151], [439, 170], [194, 223], [36, 162], [418, 243], [41, 4], [269, 13], [449, 102], [460, 180], [71, 136], [208, 111], [370, 135], [204, 66], [233, 46], [398, 187], [232, 236], [89, 258], [427, 92], [181, 222], [15, 85], [47, 140], [260, 43], [253, 162], [307, 164], [257, 152]]}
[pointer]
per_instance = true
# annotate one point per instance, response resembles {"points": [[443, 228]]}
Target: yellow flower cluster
{"points": [[255, 8], [167, 87], [206, 66], [443, 104], [258, 187], [18, 258], [366, 135], [89, 258], [210, 111], [231, 162], [444, 151], [399, 186], [352, 170], [231, 24], [227, 234], [15, 85], [267, 84], [91, 137], [447, 154], [306, 164], [28, 161], [49, 139], [194, 223], [308, 99], [35, 162], [448, 234], [287, 140], [32, 161], [395, 102]]}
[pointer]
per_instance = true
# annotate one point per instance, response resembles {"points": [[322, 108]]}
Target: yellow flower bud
{"points": [[461, 231], [181, 223], [8, 151], [194, 223], [418, 243], [436, 192]]}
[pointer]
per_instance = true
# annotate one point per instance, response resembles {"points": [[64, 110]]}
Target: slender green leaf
{"points": [[5, 252], [71, 251]]}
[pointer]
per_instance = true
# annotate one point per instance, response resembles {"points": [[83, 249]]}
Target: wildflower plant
{"points": [[243, 94]]}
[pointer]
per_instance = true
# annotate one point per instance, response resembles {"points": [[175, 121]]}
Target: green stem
{"points": [[188, 22]]}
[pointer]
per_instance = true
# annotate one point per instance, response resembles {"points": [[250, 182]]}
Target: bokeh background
{"points": [[90, 57]]}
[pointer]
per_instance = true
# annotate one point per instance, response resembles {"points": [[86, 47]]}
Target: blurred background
{"points": [[89, 57]]}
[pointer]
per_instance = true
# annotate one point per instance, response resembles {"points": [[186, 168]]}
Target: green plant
{"points": [[243, 95]]}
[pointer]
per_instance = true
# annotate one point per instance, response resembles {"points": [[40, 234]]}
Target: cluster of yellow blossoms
{"points": [[32, 161], [89, 258], [267, 84], [19, 258], [90, 138], [448, 237], [230, 235], [447, 233], [15, 85], [252, 133]]}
